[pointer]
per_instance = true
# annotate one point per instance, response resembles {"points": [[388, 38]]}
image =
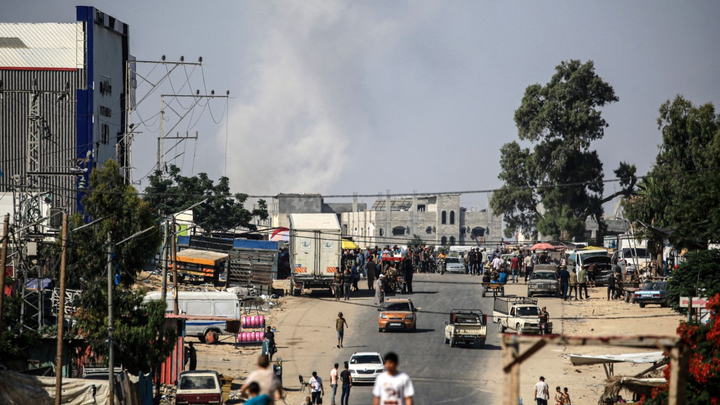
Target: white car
{"points": [[454, 265], [366, 366]]}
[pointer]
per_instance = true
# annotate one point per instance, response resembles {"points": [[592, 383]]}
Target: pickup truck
{"points": [[467, 326], [520, 314]]}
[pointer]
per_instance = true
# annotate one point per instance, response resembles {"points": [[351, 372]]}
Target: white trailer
{"points": [[315, 251]]}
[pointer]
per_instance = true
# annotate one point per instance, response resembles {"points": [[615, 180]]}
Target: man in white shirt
{"points": [[333, 383], [496, 263], [542, 392], [317, 389], [393, 387]]}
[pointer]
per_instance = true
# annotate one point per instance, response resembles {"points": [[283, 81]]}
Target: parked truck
{"points": [[466, 326], [520, 314], [315, 251]]}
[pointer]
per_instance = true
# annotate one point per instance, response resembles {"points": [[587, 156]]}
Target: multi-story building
{"points": [[62, 105], [435, 219]]}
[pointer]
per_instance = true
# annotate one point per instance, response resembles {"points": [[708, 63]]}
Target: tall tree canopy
{"points": [[120, 212], [682, 190], [560, 171], [170, 192]]}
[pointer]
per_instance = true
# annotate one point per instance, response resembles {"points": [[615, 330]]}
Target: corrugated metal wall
{"points": [[58, 150]]}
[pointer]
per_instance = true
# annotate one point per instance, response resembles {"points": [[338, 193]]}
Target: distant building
{"points": [[436, 219], [284, 204]]}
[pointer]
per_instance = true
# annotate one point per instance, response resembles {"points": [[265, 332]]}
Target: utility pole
{"points": [[3, 258], [61, 313], [111, 351], [176, 308], [164, 262]]}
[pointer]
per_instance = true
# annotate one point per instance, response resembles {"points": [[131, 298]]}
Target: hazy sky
{"points": [[337, 97]]}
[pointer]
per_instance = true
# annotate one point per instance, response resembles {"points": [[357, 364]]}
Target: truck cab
{"points": [[466, 326], [519, 314]]}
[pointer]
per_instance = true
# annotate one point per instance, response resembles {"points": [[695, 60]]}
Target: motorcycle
{"points": [[441, 266]]}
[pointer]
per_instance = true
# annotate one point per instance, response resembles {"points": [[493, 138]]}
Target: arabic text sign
{"points": [[697, 302]]}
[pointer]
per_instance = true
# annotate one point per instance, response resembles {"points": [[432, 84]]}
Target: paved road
{"points": [[441, 374]]}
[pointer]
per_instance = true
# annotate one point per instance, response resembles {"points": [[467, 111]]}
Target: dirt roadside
{"points": [[594, 317]]}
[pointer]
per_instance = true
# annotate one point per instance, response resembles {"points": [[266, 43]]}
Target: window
{"points": [[443, 218], [421, 208], [452, 240], [355, 231], [428, 230], [478, 231], [452, 217], [369, 232], [443, 241], [345, 229], [398, 231], [382, 233]]}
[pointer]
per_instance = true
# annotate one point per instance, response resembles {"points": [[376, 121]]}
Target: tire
{"points": [[446, 340], [483, 292], [381, 330], [211, 337], [414, 329], [642, 305], [201, 338], [479, 344], [452, 342], [529, 294], [519, 330], [502, 292], [501, 328]]}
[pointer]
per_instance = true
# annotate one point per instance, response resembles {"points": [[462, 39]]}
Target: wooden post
{"points": [[679, 359], [176, 307], [3, 259], [61, 313], [511, 370]]}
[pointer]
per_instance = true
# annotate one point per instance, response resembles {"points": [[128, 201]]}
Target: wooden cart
{"points": [[493, 288]]}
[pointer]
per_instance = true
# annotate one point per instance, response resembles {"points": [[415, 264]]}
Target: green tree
{"points": [[16, 338], [698, 276], [560, 173], [682, 189], [119, 212], [170, 192]]}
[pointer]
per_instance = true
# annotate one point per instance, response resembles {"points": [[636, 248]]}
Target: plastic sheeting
{"points": [[21, 389]]}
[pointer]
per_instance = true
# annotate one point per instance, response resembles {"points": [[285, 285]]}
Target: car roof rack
{"points": [[467, 311]]}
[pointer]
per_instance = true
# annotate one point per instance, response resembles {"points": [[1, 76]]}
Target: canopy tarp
{"points": [[542, 246], [348, 244], [635, 358], [204, 257]]}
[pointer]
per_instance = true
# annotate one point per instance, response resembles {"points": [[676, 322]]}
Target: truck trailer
{"points": [[315, 251]]}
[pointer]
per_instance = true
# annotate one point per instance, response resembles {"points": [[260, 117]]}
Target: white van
{"points": [[209, 304]]}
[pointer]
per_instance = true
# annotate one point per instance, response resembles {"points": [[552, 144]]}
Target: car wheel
{"points": [[529, 294], [414, 327], [519, 330], [501, 328], [642, 305], [452, 342], [446, 340], [483, 293]]}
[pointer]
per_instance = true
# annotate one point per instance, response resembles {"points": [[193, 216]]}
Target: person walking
{"points": [[528, 267], [379, 291], [566, 397], [317, 389], [337, 285], [544, 318], [347, 282], [573, 285], [333, 383], [340, 325], [356, 277], [542, 392], [191, 356], [611, 286], [582, 283], [564, 278], [370, 269], [393, 387], [408, 269], [514, 268], [346, 380], [265, 378]]}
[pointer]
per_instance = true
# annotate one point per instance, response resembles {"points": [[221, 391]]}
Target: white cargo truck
{"points": [[315, 251]]}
